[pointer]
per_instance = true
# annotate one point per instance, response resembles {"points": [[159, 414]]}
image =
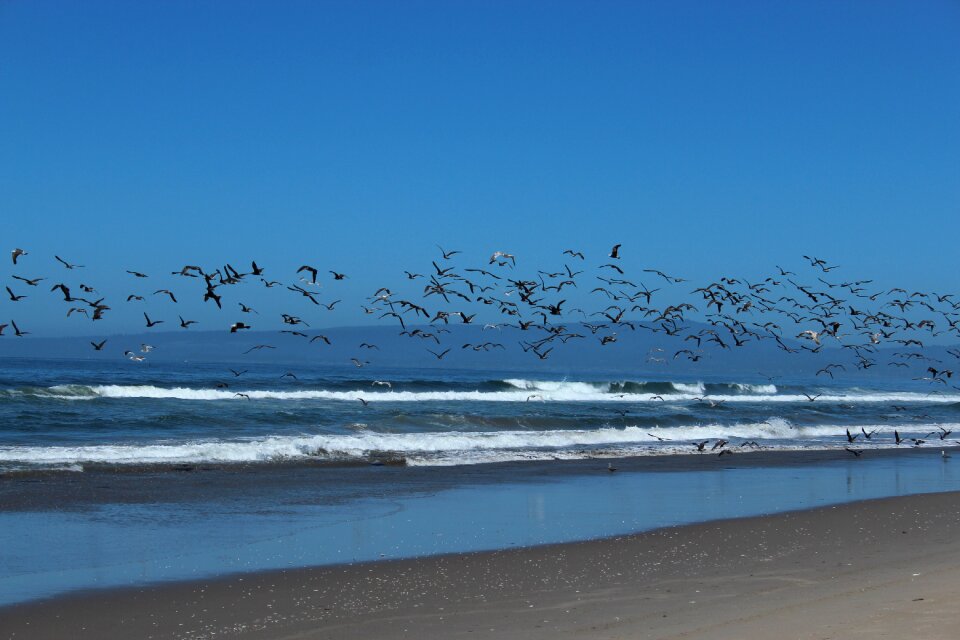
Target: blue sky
{"points": [[709, 138]]}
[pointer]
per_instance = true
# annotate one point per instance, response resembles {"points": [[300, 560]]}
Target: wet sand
{"points": [[878, 568]]}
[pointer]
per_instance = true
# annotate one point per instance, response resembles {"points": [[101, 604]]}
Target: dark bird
{"points": [[324, 338], [16, 253], [809, 397], [338, 276], [137, 274], [64, 289], [237, 326], [237, 374], [856, 452], [67, 264], [151, 323], [245, 309], [241, 395], [16, 330], [166, 292], [259, 347], [439, 356], [32, 282], [311, 270], [615, 252], [14, 297], [98, 346], [447, 254], [186, 323]]}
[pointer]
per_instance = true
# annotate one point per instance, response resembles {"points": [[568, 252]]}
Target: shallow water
{"points": [[152, 529]]}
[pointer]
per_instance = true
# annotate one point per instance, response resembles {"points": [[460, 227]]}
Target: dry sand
{"points": [[875, 569]]}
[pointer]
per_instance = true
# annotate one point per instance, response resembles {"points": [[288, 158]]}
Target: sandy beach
{"points": [[878, 568]]}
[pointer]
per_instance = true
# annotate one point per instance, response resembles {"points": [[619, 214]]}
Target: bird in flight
{"points": [[67, 264]]}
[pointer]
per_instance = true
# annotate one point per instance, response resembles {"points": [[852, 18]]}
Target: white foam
{"points": [[454, 447]]}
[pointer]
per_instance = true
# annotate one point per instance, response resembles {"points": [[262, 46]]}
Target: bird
{"points": [[338, 276], [137, 274], [311, 270], [16, 330], [447, 254], [237, 326], [14, 297], [67, 264], [241, 395], [166, 292], [615, 252], [151, 323], [31, 282], [98, 346], [856, 452], [16, 253], [186, 323], [439, 356], [259, 347]]}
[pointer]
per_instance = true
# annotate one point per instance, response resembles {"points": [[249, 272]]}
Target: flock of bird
{"points": [[798, 313], [733, 311]]}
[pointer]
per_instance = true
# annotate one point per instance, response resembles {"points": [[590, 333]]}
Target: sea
{"points": [[115, 474]]}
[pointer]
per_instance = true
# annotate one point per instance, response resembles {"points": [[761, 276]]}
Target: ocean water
{"points": [[123, 474], [72, 415]]}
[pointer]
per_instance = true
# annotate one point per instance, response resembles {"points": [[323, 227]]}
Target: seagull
{"points": [[17, 253], [241, 395], [137, 274], [67, 264], [13, 297], [447, 254], [186, 323], [146, 348], [311, 270], [151, 323], [258, 347], [167, 292], [615, 252], [381, 383], [30, 282], [237, 326], [16, 330], [98, 346], [338, 276]]}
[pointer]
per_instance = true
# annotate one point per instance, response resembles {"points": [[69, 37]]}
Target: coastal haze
{"points": [[330, 320]]}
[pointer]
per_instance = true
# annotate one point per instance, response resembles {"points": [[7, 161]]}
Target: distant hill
{"points": [[639, 352]]}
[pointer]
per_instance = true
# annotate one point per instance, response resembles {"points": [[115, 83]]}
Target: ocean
{"points": [[121, 473]]}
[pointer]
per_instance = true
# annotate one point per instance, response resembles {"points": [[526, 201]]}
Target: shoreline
{"points": [[892, 561]]}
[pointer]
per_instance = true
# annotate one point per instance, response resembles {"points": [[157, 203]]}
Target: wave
{"points": [[444, 448], [520, 391]]}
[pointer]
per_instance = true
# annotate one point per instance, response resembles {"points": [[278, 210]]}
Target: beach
{"points": [[878, 568]]}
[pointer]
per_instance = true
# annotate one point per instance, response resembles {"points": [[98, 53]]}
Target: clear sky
{"points": [[708, 137]]}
